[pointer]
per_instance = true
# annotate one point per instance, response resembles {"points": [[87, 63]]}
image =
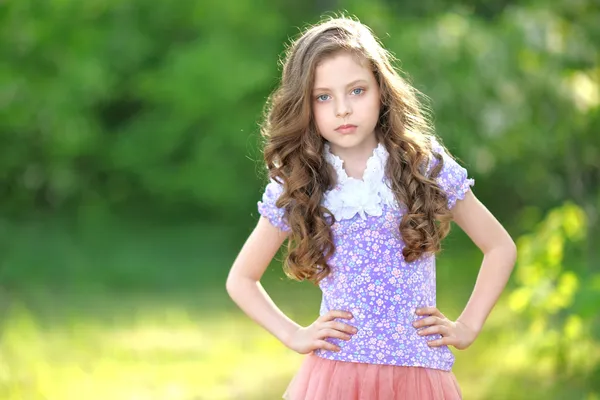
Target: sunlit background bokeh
{"points": [[130, 171]]}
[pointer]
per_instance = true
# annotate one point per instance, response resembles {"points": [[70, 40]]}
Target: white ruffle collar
{"points": [[365, 196]]}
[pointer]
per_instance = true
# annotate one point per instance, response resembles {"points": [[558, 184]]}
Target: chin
{"points": [[349, 141]]}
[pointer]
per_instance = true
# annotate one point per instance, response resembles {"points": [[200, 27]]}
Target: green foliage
{"points": [[128, 102], [120, 101], [560, 333]]}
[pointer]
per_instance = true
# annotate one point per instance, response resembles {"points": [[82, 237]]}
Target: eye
{"points": [[322, 97], [358, 91]]}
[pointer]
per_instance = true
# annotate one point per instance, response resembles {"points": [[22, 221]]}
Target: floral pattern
{"points": [[370, 277]]}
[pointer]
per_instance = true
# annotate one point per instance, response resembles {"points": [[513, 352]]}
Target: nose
{"points": [[342, 109]]}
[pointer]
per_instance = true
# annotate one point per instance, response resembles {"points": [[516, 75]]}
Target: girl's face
{"points": [[346, 102]]}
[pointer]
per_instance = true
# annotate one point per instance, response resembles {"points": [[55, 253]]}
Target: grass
{"points": [[127, 311], [134, 347]]}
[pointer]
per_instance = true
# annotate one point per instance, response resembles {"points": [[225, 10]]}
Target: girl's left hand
{"points": [[456, 334]]}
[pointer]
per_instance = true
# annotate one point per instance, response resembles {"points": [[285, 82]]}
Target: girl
{"points": [[364, 194]]}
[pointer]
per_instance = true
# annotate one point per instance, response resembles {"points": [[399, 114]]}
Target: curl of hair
{"points": [[293, 150]]}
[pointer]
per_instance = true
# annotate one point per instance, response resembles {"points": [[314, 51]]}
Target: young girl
{"points": [[364, 193]]}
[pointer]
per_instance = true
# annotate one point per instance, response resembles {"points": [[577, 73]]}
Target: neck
{"points": [[355, 158]]}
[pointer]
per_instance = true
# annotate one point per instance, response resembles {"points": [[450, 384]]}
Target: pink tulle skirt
{"points": [[322, 379]]}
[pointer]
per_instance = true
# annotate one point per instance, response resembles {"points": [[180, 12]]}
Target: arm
{"points": [[243, 285], [499, 252], [243, 282]]}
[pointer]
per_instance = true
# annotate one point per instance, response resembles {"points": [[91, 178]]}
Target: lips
{"points": [[346, 128]]}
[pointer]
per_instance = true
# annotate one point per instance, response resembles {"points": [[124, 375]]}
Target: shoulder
{"points": [[268, 207], [274, 189], [436, 151], [452, 177]]}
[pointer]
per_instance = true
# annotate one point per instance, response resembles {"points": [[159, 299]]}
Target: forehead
{"points": [[340, 69]]}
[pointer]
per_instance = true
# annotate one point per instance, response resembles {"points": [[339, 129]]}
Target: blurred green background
{"points": [[130, 168]]}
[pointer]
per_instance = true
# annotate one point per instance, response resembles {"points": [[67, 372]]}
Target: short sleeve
{"points": [[267, 207], [453, 178]]}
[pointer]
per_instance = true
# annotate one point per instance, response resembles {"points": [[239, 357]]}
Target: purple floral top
{"points": [[370, 278]]}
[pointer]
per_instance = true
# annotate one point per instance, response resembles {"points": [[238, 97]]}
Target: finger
{"points": [[333, 314], [322, 344], [430, 311], [428, 321], [324, 333], [340, 326], [445, 341], [440, 329]]}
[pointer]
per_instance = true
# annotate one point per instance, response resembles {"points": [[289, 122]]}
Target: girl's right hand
{"points": [[312, 337]]}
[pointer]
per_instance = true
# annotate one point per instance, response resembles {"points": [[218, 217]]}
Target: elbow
{"points": [[511, 251], [234, 285], [505, 250], [230, 285]]}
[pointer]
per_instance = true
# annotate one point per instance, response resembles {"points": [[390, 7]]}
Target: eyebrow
{"points": [[350, 84]]}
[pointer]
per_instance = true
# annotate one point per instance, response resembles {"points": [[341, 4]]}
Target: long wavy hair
{"points": [[293, 150]]}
